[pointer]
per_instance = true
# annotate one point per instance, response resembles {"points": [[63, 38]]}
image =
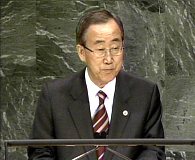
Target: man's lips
{"points": [[107, 70]]}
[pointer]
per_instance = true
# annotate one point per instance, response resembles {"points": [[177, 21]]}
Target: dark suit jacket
{"points": [[63, 112]]}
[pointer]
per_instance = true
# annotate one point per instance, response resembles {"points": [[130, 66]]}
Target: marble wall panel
{"points": [[18, 38], [38, 44], [179, 115], [180, 38], [18, 95]]}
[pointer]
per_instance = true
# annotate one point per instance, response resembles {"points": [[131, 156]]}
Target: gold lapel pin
{"points": [[125, 113]]}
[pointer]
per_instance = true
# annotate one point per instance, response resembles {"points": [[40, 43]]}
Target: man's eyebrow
{"points": [[99, 41], [116, 40], [102, 41]]}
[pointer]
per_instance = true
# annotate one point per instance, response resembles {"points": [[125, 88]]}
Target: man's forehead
{"points": [[102, 33], [104, 27]]}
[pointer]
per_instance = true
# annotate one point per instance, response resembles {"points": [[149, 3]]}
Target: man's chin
{"points": [[107, 80]]}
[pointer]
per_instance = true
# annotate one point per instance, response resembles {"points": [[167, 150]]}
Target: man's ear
{"points": [[123, 43], [81, 52]]}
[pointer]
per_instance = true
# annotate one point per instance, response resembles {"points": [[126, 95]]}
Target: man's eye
{"points": [[115, 48], [101, 49]]}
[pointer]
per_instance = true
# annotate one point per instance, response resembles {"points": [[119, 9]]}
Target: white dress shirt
{"points": [[93, 89]]}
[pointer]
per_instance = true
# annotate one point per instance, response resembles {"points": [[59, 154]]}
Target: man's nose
{"points": [[108, 57]]}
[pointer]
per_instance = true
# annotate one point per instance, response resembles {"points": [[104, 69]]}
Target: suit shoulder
{"points": [[61, 83], [135, 80]]}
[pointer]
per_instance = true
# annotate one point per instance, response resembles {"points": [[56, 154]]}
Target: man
{"points": [[99, 101]]}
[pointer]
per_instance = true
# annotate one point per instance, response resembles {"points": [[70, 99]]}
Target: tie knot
{"points": [[102, 95]]}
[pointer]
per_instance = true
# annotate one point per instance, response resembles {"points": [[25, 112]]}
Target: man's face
{"points": [[99, 37]]}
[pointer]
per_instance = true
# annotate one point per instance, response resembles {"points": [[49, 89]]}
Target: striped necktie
{"points": [[101, 123]]}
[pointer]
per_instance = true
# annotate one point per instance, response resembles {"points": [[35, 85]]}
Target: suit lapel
{"points": [[120, 116], [118, 123], [80, 111], [81, 116], [120, 112]]}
